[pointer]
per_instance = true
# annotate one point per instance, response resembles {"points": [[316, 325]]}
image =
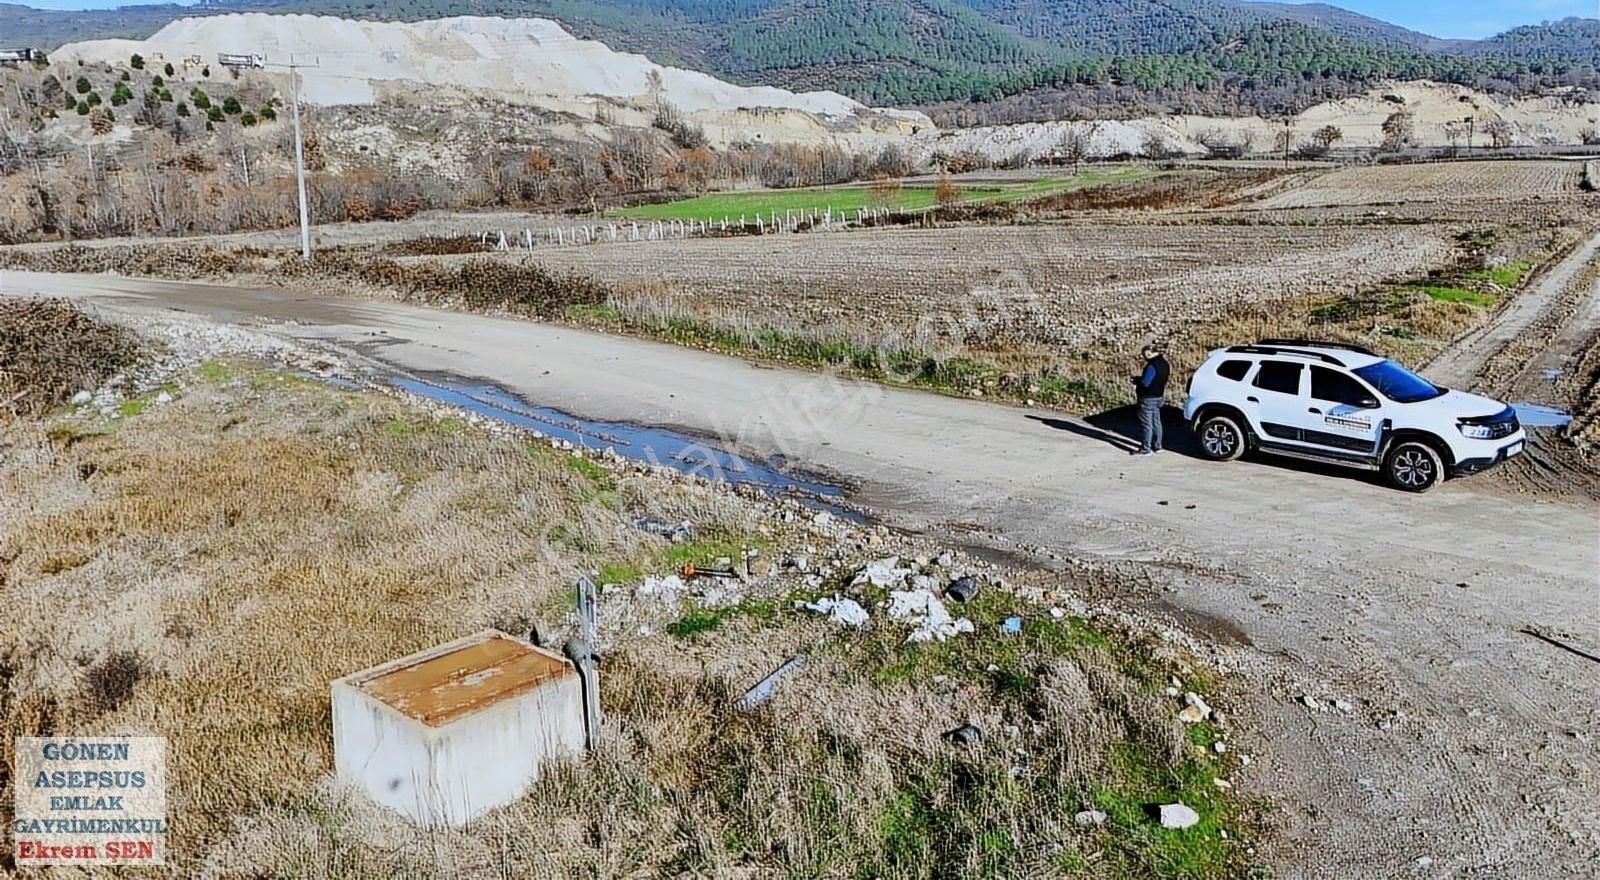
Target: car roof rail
{"points": [[1318, 343], [1286, 352]]}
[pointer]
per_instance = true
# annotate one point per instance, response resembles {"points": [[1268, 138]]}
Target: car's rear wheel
{"points": [[1413, 466], [1221, 437]]}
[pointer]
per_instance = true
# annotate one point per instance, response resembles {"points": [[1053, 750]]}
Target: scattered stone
{"points": [[1172, 692], [1343, 706], [965, 735], [1220, 747], [1221, 783], [924, 611], [1193, 700], [846, 612], [1178, 816], [1244, 760], [1191, 715], [163, 398], [1089, 818], [677, 533], [1311, 703], [81, 398], [884, 572], [963, 589], [1057, 613]]}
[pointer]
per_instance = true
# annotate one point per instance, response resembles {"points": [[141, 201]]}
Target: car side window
{"points": [[1335, 387], [1234, 370], [1284, 378]]}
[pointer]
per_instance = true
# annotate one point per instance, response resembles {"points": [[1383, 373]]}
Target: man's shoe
{"points": [[1144, 452]]}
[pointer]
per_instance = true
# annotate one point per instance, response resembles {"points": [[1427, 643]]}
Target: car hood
{"points": [[1464, 405]]}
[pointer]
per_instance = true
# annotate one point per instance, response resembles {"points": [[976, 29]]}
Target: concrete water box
{"points": [[450, 732]]}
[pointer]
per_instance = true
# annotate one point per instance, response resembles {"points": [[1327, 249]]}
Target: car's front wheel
{"points": [[1221, 437], [1413, 466]]}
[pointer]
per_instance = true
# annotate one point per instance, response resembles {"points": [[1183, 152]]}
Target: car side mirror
{"points": [[1367, 403]]}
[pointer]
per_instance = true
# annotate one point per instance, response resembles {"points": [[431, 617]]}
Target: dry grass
{"points": [[261, 536], [50, 350]]}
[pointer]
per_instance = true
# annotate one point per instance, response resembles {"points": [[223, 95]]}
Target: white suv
{"points": [[1344, 405]]}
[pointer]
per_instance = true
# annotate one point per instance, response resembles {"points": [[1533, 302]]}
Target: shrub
{"points": [[137, 61], [71, 102], [945, 191], [183, 109], [206, 71], [201, 99], [158, 82], [231, 106], [126, 76], [84, 86], [214, 114], [268, 113], [83, 108], [168, 69], [247, 119], [93, 98]]}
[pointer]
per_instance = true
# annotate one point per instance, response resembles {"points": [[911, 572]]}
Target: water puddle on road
{"points": [[1537, 415], [657, 446]]}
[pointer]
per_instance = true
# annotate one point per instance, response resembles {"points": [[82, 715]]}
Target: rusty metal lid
{"points": [[453, 680]]}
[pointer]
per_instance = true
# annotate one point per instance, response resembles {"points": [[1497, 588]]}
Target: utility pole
{"points": [[299, 152]]}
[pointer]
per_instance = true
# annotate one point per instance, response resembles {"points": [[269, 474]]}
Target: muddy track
{"points": [[1460, 365], [1540, 365]]}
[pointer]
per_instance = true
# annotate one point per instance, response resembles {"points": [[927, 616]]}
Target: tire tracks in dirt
{"points": [[1460, 364]]}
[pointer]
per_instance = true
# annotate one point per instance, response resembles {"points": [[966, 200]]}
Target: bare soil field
{"points": [[1436, 182], [1069, 285]]}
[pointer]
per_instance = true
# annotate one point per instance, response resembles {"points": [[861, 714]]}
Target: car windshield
{"points": [[1398, 383]]}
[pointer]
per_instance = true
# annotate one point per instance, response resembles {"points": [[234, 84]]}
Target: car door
{"points": [[1276, 395], [1343, 414]]}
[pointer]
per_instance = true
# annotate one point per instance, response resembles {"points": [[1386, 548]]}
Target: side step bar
{"points": [[1363, 464]]}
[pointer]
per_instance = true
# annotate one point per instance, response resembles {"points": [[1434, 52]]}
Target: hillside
{"points": [[1128, 56]]}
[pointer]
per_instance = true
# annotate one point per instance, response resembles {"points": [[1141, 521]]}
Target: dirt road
{"points": [[1457, 366], [1458, 744]]}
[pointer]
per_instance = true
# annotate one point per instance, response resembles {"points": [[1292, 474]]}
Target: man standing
{"points": [[1151, 388]]}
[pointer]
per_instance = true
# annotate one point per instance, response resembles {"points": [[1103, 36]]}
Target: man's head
{"points": [[1150, 352]]}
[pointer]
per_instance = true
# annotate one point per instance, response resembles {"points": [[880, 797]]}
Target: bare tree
{"points": [[1326, 136], [1500, 133], [1075, 144], [1398, 131]]}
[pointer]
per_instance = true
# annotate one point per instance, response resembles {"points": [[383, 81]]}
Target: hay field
{"points": [[261, 535]]}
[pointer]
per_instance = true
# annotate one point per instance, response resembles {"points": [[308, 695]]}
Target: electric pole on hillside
{"points": [[299, 149]]}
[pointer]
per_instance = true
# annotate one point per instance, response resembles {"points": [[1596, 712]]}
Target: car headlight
{"points": [[1477, 432]]}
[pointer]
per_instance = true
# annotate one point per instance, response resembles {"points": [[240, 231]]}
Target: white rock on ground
{"points": [[847, 612], [1088, 818], [1178, 816], [923, 610], [885, 572]]}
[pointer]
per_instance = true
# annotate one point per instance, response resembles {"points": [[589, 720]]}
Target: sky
{"points": [[1466, 19], [1469, 19]]}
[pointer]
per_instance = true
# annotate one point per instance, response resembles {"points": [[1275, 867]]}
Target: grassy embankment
{"points": [[261, 535]]}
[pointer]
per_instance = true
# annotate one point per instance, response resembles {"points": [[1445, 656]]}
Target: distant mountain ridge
{"points": [[1198, 55]]}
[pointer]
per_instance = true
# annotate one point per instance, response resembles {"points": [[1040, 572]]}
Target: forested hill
{"points": [[1201, 55]]}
